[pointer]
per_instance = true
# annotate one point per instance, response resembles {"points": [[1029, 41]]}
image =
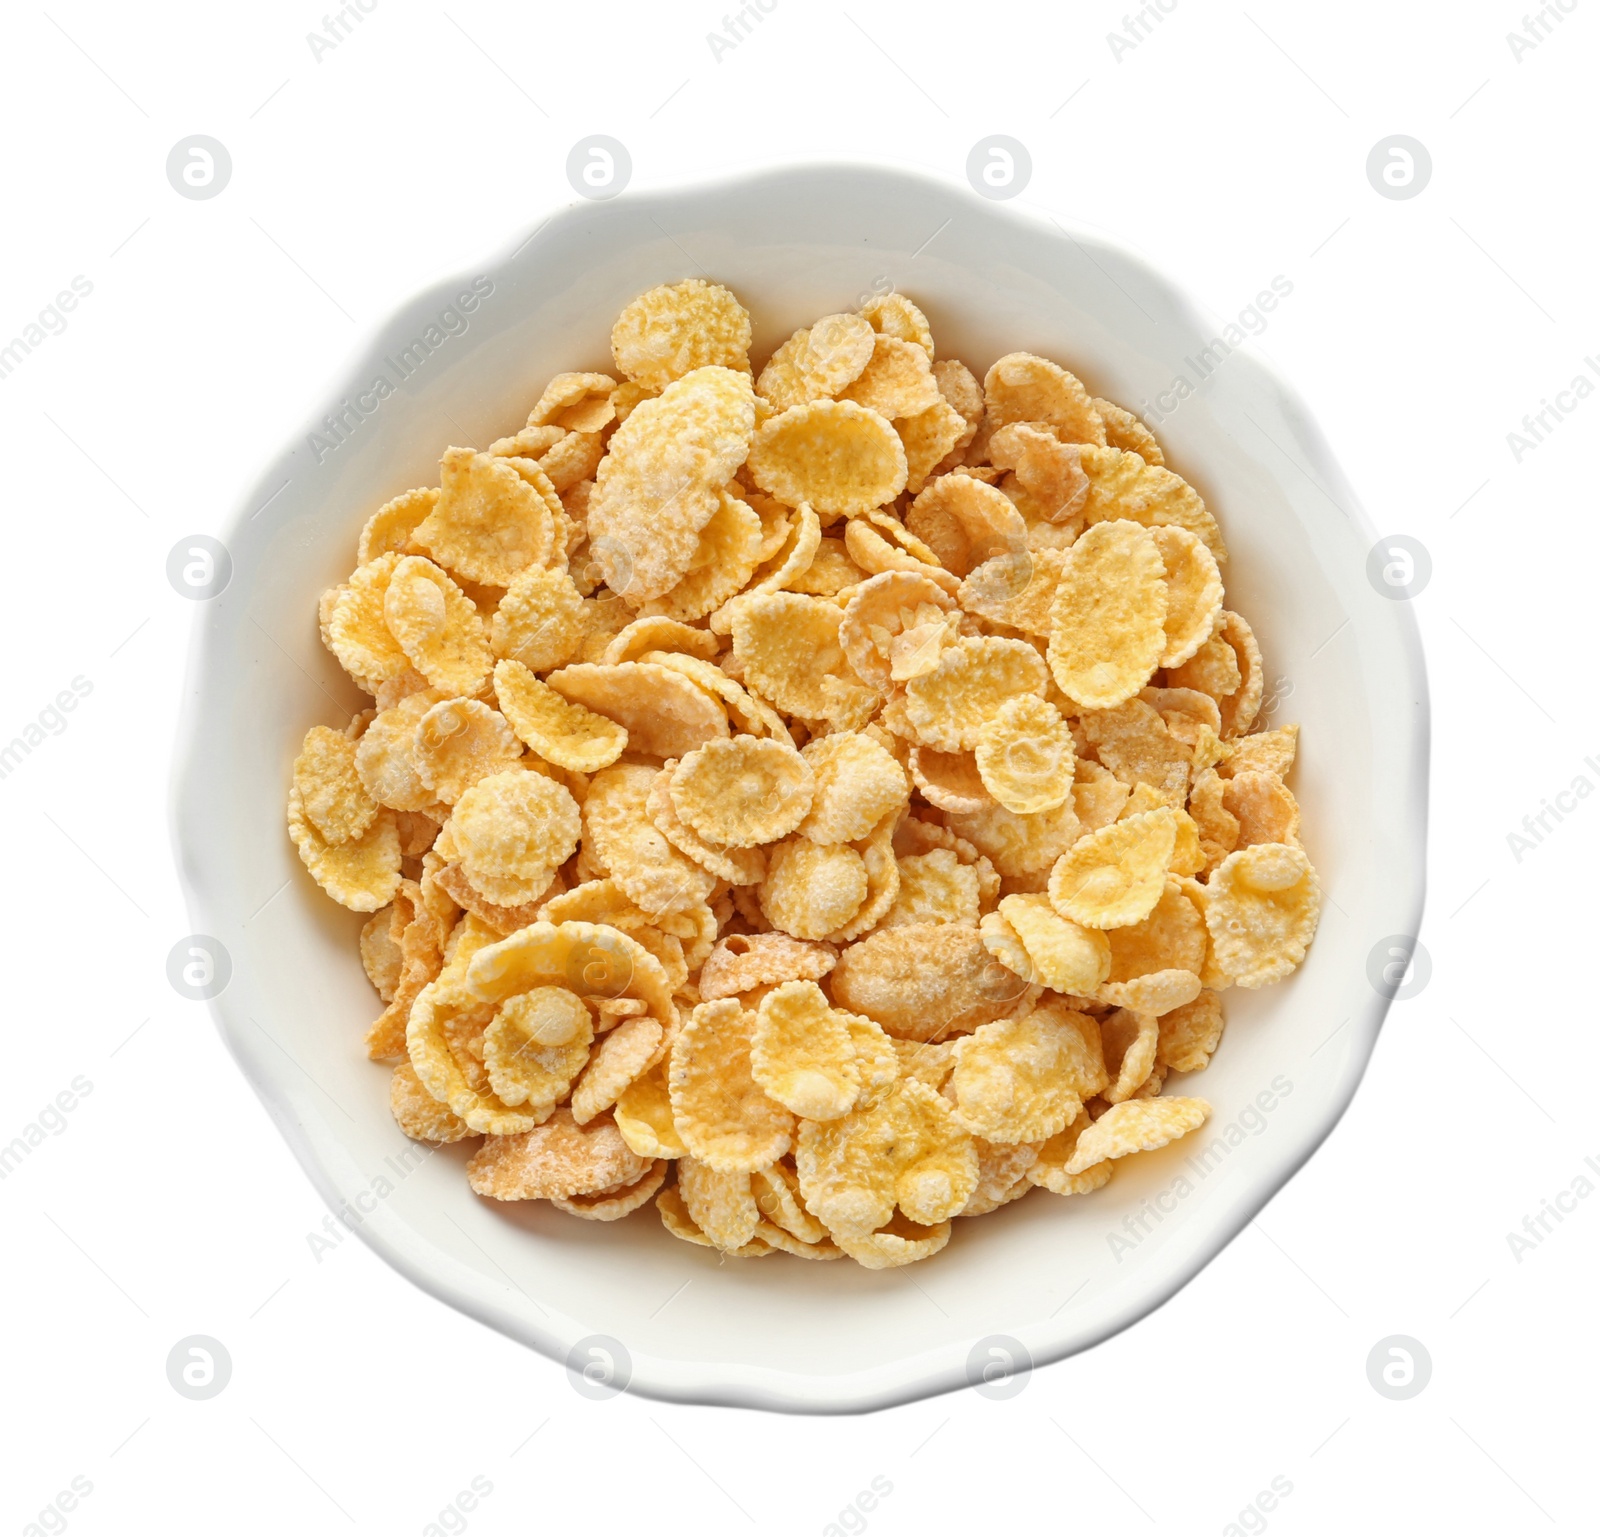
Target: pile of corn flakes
{"points": [[821, 800]]}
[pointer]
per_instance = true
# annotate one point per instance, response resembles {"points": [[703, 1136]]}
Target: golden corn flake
{"points": [[575, 402], [1194, 592], [950, 705], [662, 711], [837, 456], [1115, 876], [1134, 742], [672, 330], [437, 627], [948, 780], [1049, 1169], [356, 631], [513, 824], [1064, 955], [360, 873], [643, 1114], [723, 1115], [818, 360], [1023, 388], [1125, 430], [1025, 755], [335, 801], [418, 1114], [390, 528], [494, 517], [614, 1201], [896, 625], [929, 438], [922, 981], [565, 734], [743, 792], [1106, 622], [635, 640], [536, 1045], [1046, 475], [1018, 843], [897, 381], [720, 1202], [934, 888], [724, 560], [893, 314], [1011, 1080], [1129, 1041], [618, 830], [1188, 1035], [907, 1150], [558, 1159], [658, 485], [624, 1054], [741, 962], [1266, 752], [788, 646], [1264, 808], [802, 1052], [965, 523], [737, 866], [540, 620], [749, 714], [1262, 908], [1122, 486], [1136, 1127], [812, 889], [459, 742]]}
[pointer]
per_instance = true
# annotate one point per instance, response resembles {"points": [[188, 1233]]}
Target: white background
{"points": [[1229, 146]]}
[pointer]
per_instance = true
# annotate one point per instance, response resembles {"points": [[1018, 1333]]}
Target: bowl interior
{"points": [[462, 364]]}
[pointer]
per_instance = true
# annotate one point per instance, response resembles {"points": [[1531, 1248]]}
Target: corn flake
{"points": [[1135, 1127], [837, 456], [1107, 618], [723, 1115], [1025, 756], [1114, 876]]}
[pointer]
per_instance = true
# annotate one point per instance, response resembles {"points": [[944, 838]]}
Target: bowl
{"points": [[625, 1303]]}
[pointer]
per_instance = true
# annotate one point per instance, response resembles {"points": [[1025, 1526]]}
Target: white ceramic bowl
{"points": [[1046, 1276]]}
